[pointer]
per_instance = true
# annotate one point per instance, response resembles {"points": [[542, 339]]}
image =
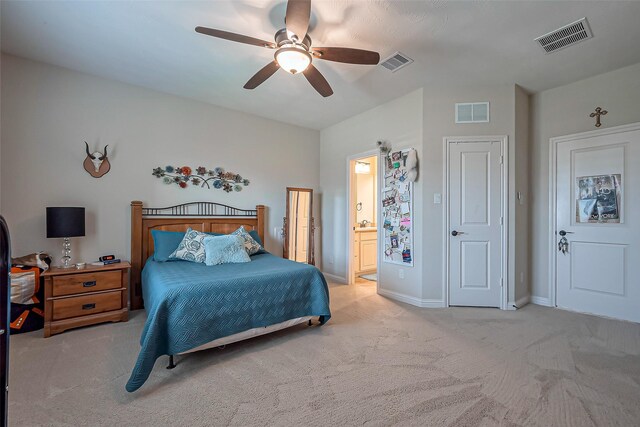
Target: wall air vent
{"points": [[472, 112], [396, 61], [566, 36]]}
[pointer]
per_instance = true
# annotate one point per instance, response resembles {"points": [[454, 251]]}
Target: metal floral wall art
{"points": [[217, 178]]}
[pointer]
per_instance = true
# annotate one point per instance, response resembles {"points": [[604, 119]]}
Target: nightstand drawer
{"points": [[66, 308], [86, 282]]}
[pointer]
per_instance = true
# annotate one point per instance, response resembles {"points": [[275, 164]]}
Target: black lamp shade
{"points": [[65, 222]]}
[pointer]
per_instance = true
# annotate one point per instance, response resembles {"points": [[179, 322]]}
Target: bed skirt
{"points": [[251, 333]]}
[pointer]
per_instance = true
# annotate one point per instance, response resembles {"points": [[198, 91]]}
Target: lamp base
{"points": [[66, 250]]}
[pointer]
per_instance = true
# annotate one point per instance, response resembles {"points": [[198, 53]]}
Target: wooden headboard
{"points": [[201, 216]]}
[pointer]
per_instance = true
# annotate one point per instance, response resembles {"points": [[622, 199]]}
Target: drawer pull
{"points": [[89, 284], [89, 306]]}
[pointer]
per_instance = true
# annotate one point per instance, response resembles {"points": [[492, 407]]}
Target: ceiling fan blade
{"points": [[318, 81], [262, 75], [297, 18], [346, 55], [235, 37]]}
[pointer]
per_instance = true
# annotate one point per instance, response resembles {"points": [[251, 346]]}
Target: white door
{"points": [[475, 230], [598, 211]]}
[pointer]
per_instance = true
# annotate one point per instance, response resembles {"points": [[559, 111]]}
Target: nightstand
{"points": [[81, 297]]}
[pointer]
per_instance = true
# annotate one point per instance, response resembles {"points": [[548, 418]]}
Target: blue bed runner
{"points": [[190, 304]]}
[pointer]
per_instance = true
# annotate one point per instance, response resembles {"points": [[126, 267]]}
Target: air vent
{"points": [[396, 61], [472, 112], [566, 36]]}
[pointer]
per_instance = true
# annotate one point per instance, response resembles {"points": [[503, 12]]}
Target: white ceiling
{"points": [[153, 44]]}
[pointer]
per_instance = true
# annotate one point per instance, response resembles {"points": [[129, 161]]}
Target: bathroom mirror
{"points": [[298, 226]]}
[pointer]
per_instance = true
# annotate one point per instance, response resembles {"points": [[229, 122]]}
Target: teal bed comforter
{"points": [[189, 304]]}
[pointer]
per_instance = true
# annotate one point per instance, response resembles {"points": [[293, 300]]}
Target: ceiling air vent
{"points": [[566, 36], [396, 61]]}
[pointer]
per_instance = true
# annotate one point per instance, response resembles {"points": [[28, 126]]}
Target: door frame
{"points": [[350, 218], [504, 201], [553, 163]]}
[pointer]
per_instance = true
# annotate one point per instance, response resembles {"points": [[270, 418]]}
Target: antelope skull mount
{"points": [[96, 164]]}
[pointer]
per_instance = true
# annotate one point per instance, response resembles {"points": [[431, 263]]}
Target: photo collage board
{"points": [[397, 210]]}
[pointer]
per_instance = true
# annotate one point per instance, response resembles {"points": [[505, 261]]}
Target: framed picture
{"points": [[598, 198]]}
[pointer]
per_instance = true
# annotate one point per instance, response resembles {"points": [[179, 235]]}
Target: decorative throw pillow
{"points": [[227, 249], [165, 244], [250, 245], [256, 237], [191, 248]]}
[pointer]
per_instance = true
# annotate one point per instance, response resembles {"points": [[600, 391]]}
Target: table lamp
{"points": [[65, 223]]}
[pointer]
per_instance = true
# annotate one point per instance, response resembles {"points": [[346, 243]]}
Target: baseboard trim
{"points": [[334, 278], [424, 303], [540, 301]]}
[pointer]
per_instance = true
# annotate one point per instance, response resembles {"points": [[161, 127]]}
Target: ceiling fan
{"points": [[293, 51]]}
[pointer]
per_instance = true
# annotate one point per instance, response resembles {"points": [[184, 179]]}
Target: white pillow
{"points": [[191, 248], [250, 243], [228, 249]]}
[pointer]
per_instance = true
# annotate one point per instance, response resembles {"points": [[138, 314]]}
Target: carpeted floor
{"points": [[377, 362]]}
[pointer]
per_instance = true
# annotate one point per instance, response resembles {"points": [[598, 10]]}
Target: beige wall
{"points": [[47, 114], [439, 122], [521, 240], [400, 123], [48, 111], [562, 111]]}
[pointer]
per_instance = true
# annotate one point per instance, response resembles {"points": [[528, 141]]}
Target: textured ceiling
{"points": [[153, 44]]}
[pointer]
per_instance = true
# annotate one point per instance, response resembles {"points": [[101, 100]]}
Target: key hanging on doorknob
{"points": [[563, 245]]}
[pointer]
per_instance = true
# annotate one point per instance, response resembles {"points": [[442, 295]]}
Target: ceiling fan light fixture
{"points": [[292, 59], [293, 51]]}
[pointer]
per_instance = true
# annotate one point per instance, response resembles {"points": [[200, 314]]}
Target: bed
{"points": [[191, 306]]}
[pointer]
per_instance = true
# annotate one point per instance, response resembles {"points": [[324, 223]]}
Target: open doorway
{"points": [[363, 217]]}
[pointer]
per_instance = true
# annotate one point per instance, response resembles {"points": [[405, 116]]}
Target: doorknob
{"points": [[564, 233], [454, 233]]}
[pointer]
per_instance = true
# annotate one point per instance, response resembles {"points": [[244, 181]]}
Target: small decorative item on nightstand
{"points": [[82, 297]]}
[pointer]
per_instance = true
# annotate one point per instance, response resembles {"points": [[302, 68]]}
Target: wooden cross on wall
{"points": [[599, 112]]}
